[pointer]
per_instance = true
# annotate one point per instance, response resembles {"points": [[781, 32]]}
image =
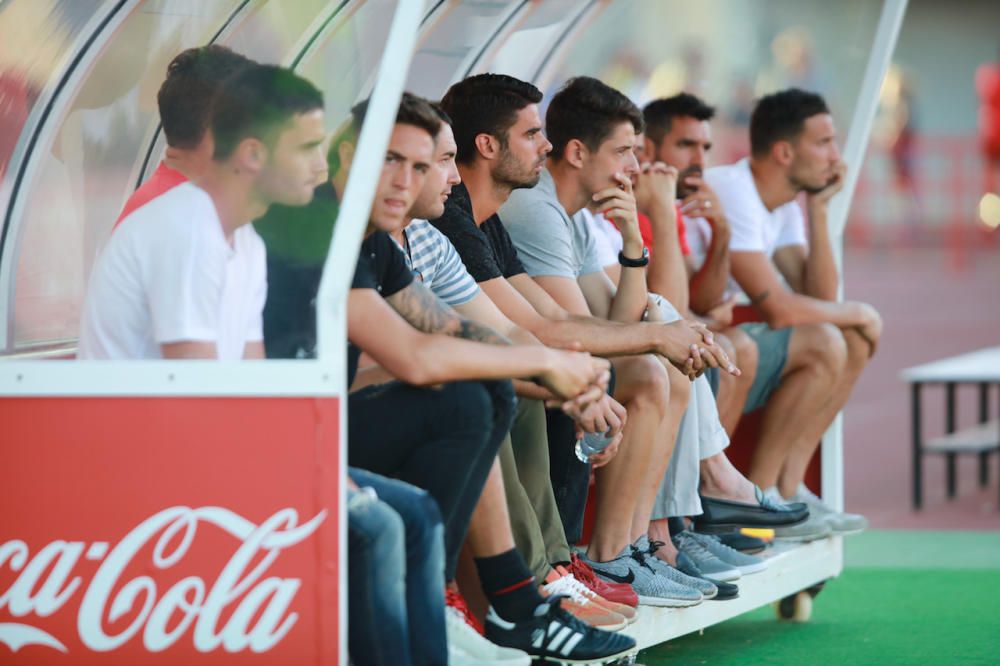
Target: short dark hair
{"points": [[257, 102], [780, 116], [485, 104], [588, 110], [417, 111], [660, 113], [413, 110], [185, 99]]}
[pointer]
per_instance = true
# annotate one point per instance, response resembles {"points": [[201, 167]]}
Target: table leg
{"points": [[984, 416], [949, 428], [918, 453]]}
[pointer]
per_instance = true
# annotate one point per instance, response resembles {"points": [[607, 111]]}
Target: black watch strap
{"points": [[634, 263]]}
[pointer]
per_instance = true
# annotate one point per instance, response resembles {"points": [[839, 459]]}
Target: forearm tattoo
{"points": [[425, 312]]}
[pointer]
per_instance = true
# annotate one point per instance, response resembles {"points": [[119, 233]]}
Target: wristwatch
{"points": [[634, 263]]}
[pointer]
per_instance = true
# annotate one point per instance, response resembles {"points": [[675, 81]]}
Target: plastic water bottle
{"points": [[591, 443]]}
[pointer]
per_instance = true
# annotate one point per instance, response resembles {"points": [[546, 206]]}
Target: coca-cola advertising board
{"points": [[169, 530]]}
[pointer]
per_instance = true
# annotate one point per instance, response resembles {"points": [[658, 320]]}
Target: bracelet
{"points": [[634, 263]]}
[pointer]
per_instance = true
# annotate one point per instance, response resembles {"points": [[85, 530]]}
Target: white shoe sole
{"points": [[752, 568], [590, 662], [726, 576], [666, 602]]}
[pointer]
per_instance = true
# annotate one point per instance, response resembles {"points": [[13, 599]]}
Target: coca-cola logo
{"points": [[45, 582]]}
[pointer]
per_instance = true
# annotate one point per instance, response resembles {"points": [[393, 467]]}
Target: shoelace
{"points": [[582, 571], [727, 549], [640, 557], [457, 601], [572, 588], [692, 546]]}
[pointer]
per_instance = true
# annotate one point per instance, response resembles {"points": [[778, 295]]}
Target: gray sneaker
{"points": [[747, 564], [653, 590], [709, 564], [841, 523], [648, 548]]}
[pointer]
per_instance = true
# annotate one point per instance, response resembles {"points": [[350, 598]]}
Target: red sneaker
{"points": [[619, 592], [455, 599]]}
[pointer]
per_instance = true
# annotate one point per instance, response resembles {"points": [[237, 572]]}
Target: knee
{"points": [[652, 383], [375, 530], [825, 346], [745, 353]]}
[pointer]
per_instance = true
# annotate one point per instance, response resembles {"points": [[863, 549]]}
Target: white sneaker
{"points": [[466, 647]]}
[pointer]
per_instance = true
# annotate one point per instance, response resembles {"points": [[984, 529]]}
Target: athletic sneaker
{"points": [[741, 542], [581, 606], [621, 593], [724, 591], [648, 549], [840, 523], [812, 529], [624, 610], [467, 648], [653, 589], [555, 636], [747, 564], [709, 564], [454, 599]]}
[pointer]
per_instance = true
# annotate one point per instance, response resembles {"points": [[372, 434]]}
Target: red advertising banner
{"points": [[169, 530]]}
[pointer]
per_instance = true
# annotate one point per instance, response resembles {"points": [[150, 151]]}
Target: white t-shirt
{"points": [[167, 275], [754, 227], [607, 238]]}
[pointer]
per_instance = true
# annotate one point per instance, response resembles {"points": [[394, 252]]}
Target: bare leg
{"points": [[489, 531], [794, 470], [816, 359], [720, 480], [641, 385], [680, 393], [733, 391], [659, 530]]}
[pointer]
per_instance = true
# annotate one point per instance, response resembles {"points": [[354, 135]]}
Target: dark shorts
{"points": [[772, 350]]}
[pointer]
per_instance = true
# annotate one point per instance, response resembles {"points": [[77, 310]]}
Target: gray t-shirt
{"points": [[549, 242]]}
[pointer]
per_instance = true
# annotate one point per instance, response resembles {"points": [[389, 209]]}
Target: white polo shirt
{"points": [[168, 274]]}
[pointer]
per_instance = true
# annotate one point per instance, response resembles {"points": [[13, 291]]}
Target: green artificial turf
{"points": [[946, 611]]}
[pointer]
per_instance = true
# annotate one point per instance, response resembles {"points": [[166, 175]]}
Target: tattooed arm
{"points": [[426, 312]]}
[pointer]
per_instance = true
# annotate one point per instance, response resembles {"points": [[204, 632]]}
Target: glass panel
{"points": [[91, 163], [343, 62], [36, 37], [270, 33], [455, 34], [727, 51]]}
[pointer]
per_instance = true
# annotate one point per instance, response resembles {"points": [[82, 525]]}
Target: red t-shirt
{"points": [[163, 180], [646, 229]]}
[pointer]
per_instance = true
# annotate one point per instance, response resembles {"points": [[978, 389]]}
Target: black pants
{"points": [[443, 440]]}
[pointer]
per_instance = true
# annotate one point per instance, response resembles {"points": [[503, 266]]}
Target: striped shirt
{"points": [[435, 262]]}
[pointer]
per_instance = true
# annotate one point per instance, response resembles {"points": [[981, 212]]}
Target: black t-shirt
{"points": [[297, 240], [382, 267], [486, 250]]}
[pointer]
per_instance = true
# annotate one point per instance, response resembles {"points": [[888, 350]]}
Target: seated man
{"points": [[445, 439], [534, 518], [812, 348], [678, 134], [184, 275], [593, 129], [395, 565]]}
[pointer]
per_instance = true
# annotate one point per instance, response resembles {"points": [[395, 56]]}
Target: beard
{"points": [[683, 189], [513, 175]]}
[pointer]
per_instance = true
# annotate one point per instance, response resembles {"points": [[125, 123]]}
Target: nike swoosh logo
{"points": [[618, 579]]}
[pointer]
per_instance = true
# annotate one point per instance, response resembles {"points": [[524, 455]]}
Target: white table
{"points": [[979, 367]]}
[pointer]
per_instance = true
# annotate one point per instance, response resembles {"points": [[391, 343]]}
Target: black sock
{"points": [[676, 525], [509, 585]]}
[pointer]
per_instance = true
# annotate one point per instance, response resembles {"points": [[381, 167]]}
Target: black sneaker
{"points": [[725, 591], [743, 543], [555, 636]]}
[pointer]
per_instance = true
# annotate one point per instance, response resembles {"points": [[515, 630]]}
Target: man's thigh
{"points": [[772, 350]]}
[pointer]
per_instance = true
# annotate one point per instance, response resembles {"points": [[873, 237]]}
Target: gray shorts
{"points": [[772, 350]]}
